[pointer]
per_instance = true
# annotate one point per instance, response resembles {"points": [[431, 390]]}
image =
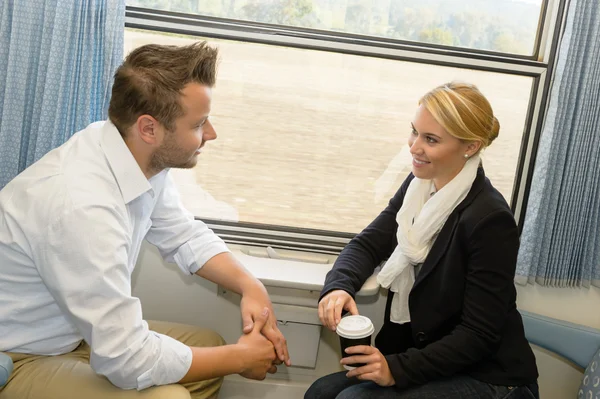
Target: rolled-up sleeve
{"points": [[84, 265], [179, 237]]}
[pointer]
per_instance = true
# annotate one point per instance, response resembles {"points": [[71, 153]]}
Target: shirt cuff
{"points": [[173, 363], [192, 255]]}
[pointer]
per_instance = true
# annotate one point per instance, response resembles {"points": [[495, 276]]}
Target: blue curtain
{"points": [[560, 244], [57, 58]]}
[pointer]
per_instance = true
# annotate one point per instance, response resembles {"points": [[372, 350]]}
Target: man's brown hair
{"points": [[151, 78]]}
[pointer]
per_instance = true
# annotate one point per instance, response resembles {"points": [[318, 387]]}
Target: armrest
{"points": [[6, 367], [286, 273], [371, 286], [572, 341]]}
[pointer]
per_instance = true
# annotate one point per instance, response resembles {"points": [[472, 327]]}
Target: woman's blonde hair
{"points": [[463, 111]]}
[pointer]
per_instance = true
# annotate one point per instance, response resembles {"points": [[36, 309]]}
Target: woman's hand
{"points": [[376, 368], [330, 308]]}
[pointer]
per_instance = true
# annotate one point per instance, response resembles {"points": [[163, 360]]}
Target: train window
{"points": [[317, 139], [505, 26]]}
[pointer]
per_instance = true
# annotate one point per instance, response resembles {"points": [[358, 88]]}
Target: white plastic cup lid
{"points": [[353, 327]]}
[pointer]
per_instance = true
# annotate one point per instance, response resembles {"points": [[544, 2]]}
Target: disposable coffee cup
{"points": [[354, 330]]}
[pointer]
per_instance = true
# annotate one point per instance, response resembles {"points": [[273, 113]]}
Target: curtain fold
{"points": [[560, 243], [57, 59]]}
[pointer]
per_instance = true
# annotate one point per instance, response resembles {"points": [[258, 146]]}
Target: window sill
{"points": [[294, 274]]}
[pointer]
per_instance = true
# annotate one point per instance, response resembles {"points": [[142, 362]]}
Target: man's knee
{"points": [[207, 389], [204, 337], [188, 334], [173, 391], [217, 339]]}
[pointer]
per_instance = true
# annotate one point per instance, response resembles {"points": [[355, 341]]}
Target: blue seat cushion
{"points": [[6, 367]]}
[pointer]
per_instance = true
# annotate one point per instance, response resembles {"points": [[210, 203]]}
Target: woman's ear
{"points": [[473, 147]]}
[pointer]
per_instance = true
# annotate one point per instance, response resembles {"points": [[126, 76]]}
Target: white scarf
{"points": [[420, 219]]}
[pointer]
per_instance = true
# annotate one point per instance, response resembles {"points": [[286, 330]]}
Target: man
{"points": [[71, 227]]}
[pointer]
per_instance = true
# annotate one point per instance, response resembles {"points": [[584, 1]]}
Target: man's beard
{"points": [[168, 155]]}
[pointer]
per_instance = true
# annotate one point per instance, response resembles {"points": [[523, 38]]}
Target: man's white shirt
{"points": [[71, 228]]}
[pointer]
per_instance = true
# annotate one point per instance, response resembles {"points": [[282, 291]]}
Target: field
{"points": [[318, 139]]}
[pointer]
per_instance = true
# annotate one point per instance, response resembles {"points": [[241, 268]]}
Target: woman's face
{"points": [[437, 155]]}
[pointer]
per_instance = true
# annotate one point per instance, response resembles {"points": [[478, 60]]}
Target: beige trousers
{"points": [[70, 376]]}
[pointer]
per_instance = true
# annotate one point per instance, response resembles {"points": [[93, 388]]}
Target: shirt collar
{"points": [[127, 172]]}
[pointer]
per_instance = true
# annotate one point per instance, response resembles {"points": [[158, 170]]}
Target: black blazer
{"points": [[463, 303]]}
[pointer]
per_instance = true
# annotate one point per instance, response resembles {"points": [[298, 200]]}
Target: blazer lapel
{"points": [[445, 235]]}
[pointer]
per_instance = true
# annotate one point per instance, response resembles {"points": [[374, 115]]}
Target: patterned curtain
{"points": [[560, 244], [57, 58]]}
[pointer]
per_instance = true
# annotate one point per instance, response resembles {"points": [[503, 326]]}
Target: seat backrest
{"points": [[572, 341], [6, 367]]}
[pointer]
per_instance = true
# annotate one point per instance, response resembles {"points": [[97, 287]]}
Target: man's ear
{"points": [[149, 129]]}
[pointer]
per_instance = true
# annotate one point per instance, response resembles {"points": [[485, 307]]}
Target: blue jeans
{"points": [[338, 386]]}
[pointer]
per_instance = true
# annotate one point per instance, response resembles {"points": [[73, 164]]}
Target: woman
{"points": [[451, 328]]}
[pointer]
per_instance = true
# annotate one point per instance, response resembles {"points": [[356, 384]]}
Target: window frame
{"points": [[538, 66], [247, 25]]}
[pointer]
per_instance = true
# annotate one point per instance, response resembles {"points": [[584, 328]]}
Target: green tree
{"points": [[282, 12], [170, 5], [407, 22], [357, 19], [506, 43], [468, 29], [437, 36]]}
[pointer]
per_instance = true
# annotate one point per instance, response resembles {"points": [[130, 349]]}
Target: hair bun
{"points": [[495, 130]]}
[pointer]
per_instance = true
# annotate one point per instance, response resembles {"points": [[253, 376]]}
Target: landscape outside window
{"points": [[317, 139], [507, 26]]}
